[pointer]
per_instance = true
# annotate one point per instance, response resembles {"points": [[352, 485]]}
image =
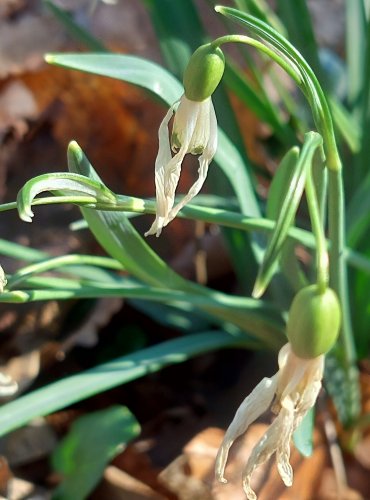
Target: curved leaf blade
{"points": [[77, 387]]}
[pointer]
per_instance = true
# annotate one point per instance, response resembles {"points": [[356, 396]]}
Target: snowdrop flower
{"points": [[194, 131], [312, 329]]}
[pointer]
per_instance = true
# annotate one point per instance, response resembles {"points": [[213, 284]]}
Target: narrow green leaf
{"points": [[183, 317], [287, 212], [346, 125], [262, 10], [77, 387], [362, 160], [355, 52], [297, 20], [91, 443], [358, 213], [278, 191], [83, 266], [132, 69], [291, 60], [61, 182], [280, 185], [261, 321], [20, 252]]}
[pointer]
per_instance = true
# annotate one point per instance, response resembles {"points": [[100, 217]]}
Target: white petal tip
{"points": [[249, 493], [222, 480], [220, 477], [154, 229]]}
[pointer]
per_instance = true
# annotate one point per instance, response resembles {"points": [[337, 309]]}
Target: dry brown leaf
{"points": [[24, 42], [23, 369]]}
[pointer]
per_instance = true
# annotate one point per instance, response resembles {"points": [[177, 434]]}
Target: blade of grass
{"points": [[297, 20], [287, 212], [75, 388], [256, 318], [261, 10], [362, 160], [355, 52]]}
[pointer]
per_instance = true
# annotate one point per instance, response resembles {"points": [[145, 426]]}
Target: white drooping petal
{"points": [[206, 122], [200, 137], [283, 448], [251, 408], [275, 438], [163, 158], [195, 132], [185, 122], [311, 389], [296, 387], [168, 168]]}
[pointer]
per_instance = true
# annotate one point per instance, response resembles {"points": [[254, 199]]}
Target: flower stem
{"points": [[322, 260], [338, 270], [263, 48]]}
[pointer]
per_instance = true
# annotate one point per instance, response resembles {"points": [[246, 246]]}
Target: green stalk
{"points": [[263, 48], [322, 260], [338, 278]]}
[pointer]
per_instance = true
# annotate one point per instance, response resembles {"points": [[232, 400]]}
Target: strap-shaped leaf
{"points": [[120, 239], [119, 371], [287, 212], [278, 191], [261, 321], [64, 182], [91, 443], [290, 59], [132, 69]]}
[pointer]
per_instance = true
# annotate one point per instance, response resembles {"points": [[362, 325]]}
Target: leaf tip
{"points": [[74, 147], [26, 215], [49, 58], [75, 151], [258, 290]]}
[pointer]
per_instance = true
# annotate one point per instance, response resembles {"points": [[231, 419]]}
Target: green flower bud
{"points": [[314, 322], [203, 72]]}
